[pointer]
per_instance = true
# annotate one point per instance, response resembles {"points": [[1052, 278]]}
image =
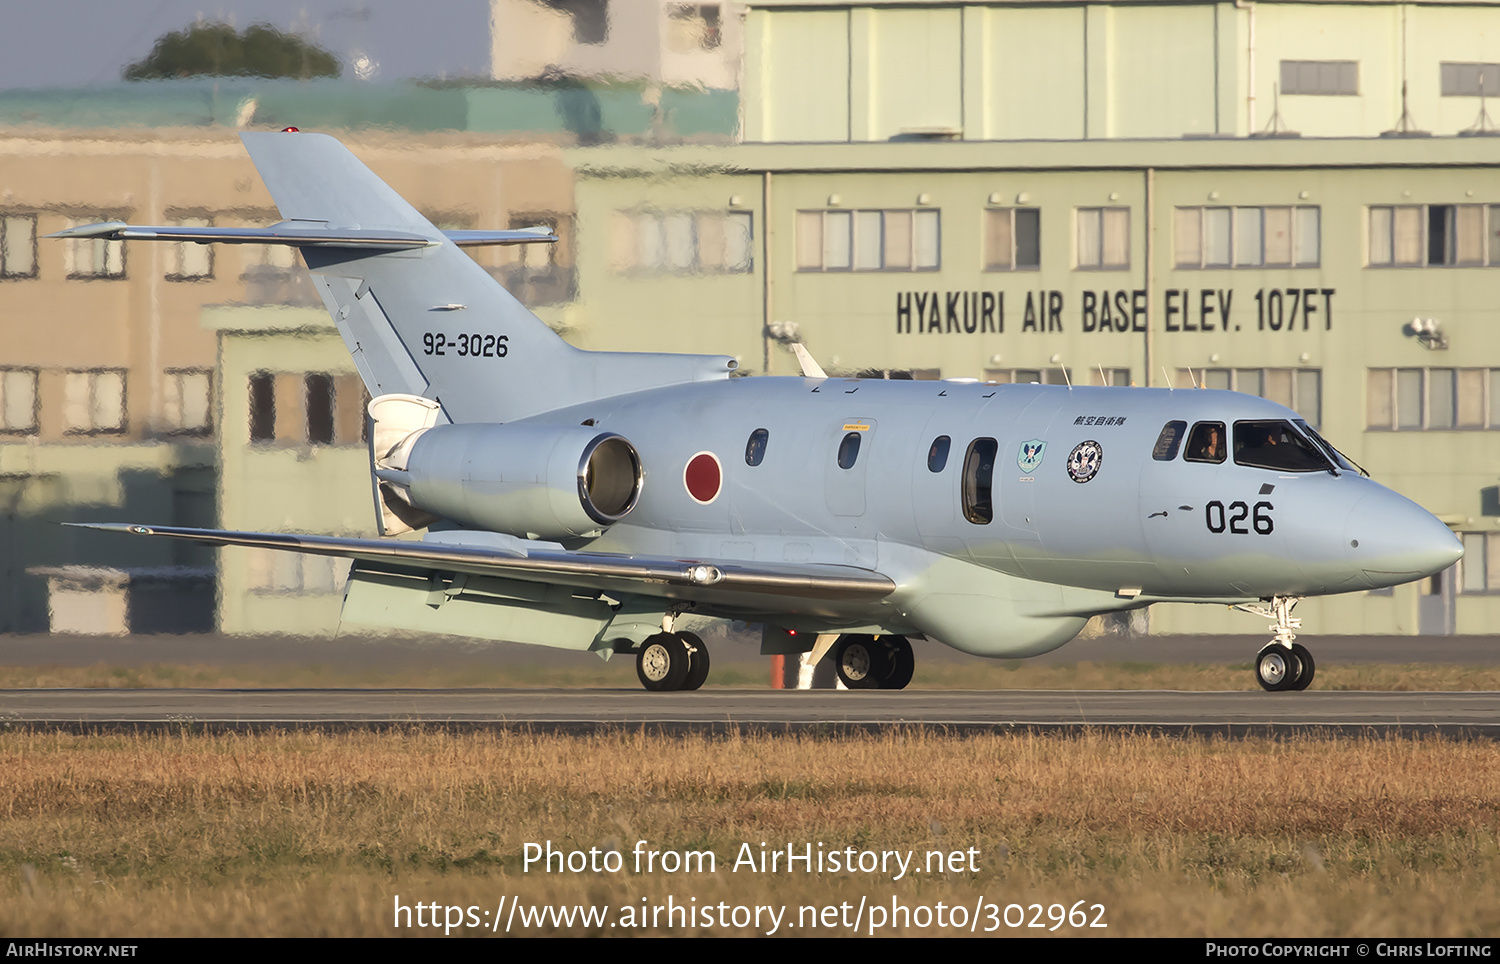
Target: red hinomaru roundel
{"points": [[703, 477]]}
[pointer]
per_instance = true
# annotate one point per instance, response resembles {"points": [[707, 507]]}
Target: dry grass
{"points": [[591, 672], [310, 833]]}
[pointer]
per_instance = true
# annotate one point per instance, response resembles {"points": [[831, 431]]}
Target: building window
{"points": [[1247, 237], [868, 240], [94, 257], [94, 401], [1435, 235], [1433, 399], [18, 246], [1103, 238], [262, 407], [1325, 78], [590, 19], [1470, 80], [683, 242], [192, 261], [1028, 376], [276, 571], [1299, 389], [18, 400], [1479, 569], [315, 408], [187, 401], [318, 398], [1012, 239], [693, 26]]}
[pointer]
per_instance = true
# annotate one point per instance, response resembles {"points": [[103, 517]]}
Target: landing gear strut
{"points": [[874, 662], [672, 661], [1282, 664]]}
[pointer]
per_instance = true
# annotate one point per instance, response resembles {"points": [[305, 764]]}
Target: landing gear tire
{"points": [[698, 662], [902, 663], [861, 662], [1305, 658], [663, 662], [1277, 668]]}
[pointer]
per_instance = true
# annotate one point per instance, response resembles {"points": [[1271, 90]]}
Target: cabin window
{"points": [[1276, 445], [979, 474], [1168, 441], [849, 450], [1207, 443], [937, 456], [755, 449]]}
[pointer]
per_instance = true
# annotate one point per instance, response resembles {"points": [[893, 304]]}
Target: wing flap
{"points": [[672, 578]]}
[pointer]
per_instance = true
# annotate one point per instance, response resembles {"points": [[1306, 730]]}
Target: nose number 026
{"points": [[1233, 519]]}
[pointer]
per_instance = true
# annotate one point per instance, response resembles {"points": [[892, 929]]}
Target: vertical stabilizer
{"points": [[429, 321]]}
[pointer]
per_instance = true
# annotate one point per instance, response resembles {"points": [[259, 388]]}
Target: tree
{"points": [[215, 49]]}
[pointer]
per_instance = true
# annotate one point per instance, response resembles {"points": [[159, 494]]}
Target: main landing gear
{"points": [[1282, 664], [672, 661], [874, 662]]}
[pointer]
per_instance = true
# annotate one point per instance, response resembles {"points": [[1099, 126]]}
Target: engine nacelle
{"points": [[532, 481]]}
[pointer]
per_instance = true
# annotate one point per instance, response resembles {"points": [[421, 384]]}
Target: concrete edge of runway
{"points": [[723, 728]]}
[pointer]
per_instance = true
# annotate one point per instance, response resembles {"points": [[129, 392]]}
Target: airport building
{"points": [[1296, 200]]}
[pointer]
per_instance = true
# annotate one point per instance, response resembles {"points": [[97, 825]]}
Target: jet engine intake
{"points": [[532, 481]]}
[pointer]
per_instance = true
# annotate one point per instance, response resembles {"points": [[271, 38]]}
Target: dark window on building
{"points": [[590, 19], [1168, 441], [937, 456], [319, 409], [1471, 80], [1320, 77], [1012, 239], [755, 449], [262, 407], [849, 450], [1207, 443], [1440, 234], [979, 475]]}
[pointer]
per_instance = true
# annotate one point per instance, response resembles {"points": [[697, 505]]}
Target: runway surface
{"points": [[1459, 714]]}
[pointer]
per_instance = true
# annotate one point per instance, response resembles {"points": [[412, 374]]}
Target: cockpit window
{"points": [[1168, 441], [1206, 444], [1276, 445], [1340, 459]]}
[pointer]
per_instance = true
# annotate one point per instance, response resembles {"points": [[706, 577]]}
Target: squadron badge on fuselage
{"points": [[1030, 455], [1084, 461]]}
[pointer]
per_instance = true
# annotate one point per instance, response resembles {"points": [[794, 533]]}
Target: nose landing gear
{"points": [[1282, 664]]}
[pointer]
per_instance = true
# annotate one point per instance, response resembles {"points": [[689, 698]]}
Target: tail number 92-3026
{"points": [[1219, 519], [465, 345]]}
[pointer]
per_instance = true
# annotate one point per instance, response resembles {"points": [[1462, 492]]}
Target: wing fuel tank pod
{"points": [[532, 481]]}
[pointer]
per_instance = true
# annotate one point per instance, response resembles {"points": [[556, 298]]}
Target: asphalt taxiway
{"points": [[1232, 713]]}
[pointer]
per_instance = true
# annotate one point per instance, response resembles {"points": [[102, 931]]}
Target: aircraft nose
{"points": [[1394, 540]]}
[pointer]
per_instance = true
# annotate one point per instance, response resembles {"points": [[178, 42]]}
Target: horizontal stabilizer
{"points": [[670, 578], [302, 234]]}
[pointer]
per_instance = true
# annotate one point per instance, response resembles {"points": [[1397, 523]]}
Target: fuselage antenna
{"points": [[1066, 380], [1168, 376]]}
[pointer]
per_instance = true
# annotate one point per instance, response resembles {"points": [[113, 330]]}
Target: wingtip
{"points": [[129, 527]]}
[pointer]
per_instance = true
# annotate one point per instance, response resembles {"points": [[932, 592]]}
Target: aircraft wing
{"points": [[670, 578], [302, 234]]}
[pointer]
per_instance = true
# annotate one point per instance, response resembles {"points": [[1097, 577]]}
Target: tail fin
{"points": [[429, 321]]}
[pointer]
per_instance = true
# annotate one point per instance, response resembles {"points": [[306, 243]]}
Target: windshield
{"points": [[1343, 461], [1277, 445]]}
